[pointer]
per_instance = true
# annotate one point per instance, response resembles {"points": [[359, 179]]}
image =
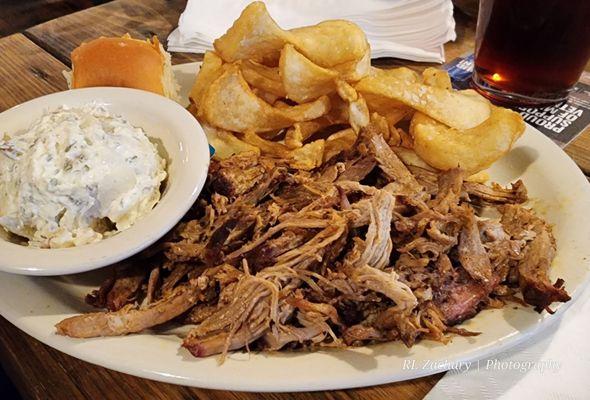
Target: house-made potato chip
{"points": [[230, 104]]}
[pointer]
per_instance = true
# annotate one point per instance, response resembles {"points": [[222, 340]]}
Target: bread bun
{"points": [[123, 62]]}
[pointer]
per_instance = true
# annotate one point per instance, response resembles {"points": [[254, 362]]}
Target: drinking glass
{"points": [[530, 52]]}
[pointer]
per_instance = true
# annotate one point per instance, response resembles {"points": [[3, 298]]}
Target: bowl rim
{"points": [[173, 205]]}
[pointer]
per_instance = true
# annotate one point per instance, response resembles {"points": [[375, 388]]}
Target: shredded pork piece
{"points": [[472, 254], [535, 285], [98, 297], [362, 250], [130, 320], [152, 284], [386, 283], [125, 287], [178, 272], [356, 170], [278, 340], [360, 334], [236, 175], [497, 194], [222, 341], [378, 244], [538, 254], [392, 166], [460, 300], [481, 193], [449, 190], [366, 267]]}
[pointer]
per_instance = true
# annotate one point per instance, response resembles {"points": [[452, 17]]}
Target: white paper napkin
{"points": [[409, 29], [553, 365]]}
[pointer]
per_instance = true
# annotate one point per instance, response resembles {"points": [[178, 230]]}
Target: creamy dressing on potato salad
{"points": [[76, 176]]}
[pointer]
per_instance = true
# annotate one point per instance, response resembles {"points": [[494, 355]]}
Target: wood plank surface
{"points": [[579, 148], [139, 18], [26, 71], [17, 15], [579, 151]]}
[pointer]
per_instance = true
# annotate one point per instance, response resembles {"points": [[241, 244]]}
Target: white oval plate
{"points": [[561, 194], [187, 153]]}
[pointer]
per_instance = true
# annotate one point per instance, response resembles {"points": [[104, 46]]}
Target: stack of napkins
{"points": [[409, 29]]}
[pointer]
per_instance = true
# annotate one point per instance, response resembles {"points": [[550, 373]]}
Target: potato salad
{"points": [[76, 176]]}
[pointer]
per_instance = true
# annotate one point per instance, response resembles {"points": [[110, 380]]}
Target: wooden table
{"points": [[31, 63], [17, 15]]}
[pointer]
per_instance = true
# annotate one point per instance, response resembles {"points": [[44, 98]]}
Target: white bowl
{"points": [[187, 153]]}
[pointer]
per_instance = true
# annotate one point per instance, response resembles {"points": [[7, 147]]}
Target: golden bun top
{"points": [[122, 62]]}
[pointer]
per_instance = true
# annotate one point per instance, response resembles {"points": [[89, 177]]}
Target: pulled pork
{"points": [[363, 250]]}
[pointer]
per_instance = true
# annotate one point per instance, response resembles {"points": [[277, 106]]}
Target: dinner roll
{"points": [[124, 62]]}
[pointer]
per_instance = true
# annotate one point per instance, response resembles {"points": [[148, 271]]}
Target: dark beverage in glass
{"points": [[531, 52]]}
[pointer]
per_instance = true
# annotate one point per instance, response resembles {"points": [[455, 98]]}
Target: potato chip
{"points": [[392, 110], [262, 77], [382, 105], [267, 147], [331, 43], [338, 142], [307, 157], [269, 98], [309, 128], [338, 113], [301, 131], [282, 104], [409, 157], [472, 149], [473, 94], [357, 111], [358, 114], [437, 78], [211, 69], [345, 91], [254, 35], [396, 115], [271, 135], [401, 73], [453, 108], [480, 177], [380, 122], [302, 79], [294, 137], [229, 104], [406, 139], [353, 71], [225, 143]]}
